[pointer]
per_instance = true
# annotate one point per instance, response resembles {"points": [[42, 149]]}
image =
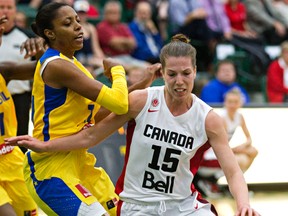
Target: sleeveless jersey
{"points": [[231, 124], [8, 122], [11, 158], [163, 151], [58, 112], [231, 128]]}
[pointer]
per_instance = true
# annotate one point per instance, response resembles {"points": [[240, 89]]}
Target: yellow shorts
{"points": [[73, 180], [13, 189]]}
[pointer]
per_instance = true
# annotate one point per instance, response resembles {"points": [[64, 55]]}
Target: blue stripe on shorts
{"points": [[55, 193]]}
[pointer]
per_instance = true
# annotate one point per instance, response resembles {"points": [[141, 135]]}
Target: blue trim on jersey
{"points": [[55, 193], [49, 53], [53, 98], [32, 168]]}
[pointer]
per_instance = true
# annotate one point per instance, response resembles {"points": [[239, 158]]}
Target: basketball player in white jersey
{"points": [[169, 129]]}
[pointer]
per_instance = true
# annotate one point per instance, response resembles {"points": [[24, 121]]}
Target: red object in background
{"points": [[93, 12]]}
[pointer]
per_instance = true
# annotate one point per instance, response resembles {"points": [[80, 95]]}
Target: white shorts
{"points": [[192, 205]]}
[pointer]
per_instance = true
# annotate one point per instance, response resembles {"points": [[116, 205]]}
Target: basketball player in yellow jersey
{"points": [[14, 196], [65, 99]]}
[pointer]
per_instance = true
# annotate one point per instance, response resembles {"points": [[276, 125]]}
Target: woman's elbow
{"points": [[122, 108]]}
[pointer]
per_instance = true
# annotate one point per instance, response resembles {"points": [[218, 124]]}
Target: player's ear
{"points": [[195, 72], [49, 34]]}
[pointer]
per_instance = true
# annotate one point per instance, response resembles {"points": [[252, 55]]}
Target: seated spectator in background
{"points": [[148, 38], [189, 18], [236, 13], [244, 37], [210, 171], [91, 55], [115, 36], [217, 20], [218, 24], [225, 79], [277, 77], [117, 40], [263, 17]]}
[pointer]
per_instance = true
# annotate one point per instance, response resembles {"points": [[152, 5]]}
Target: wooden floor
{"points": [[272, 203]]}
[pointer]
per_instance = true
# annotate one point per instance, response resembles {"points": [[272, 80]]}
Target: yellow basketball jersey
{"points": [[11, 158], [58, 112], [8, 122]]}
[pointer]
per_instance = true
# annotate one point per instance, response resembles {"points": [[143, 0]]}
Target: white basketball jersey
{"points": [[231, 124], [163, 152], [231, 128]]}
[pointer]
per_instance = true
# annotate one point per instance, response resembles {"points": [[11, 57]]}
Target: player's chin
{"points": [[78, 44]]}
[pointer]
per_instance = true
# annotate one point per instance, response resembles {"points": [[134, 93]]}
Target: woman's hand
{"points": [[33, 47], [108, 63], [27, 142], [246, 210]]}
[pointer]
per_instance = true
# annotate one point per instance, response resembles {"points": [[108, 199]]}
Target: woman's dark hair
{"points": [[45, 17], [179, 46]]}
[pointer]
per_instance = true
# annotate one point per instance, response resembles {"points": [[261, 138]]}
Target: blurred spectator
{"points": [[148, 38], [10, 51], [115, 36], [162, 7], [218, 24], [225, 79], [210, 171], [263, 17], [245, 38], [282, 7], [117, 40], [217, 20], [21, 20], [189, 18], [236, 13], [277, 77], [91, 55]]}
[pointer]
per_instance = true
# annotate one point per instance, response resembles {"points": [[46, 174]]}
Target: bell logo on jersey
{"points": [[83, 190], [5, 149], [162, 186]]}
